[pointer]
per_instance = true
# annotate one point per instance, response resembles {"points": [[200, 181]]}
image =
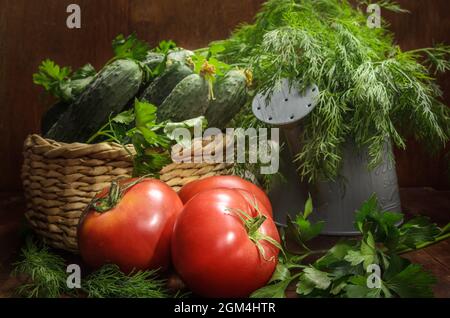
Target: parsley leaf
{"points": [[314, 277], [357, 288], [302, 230], [416, 231], [277, 290], [86, 71], [50, 76], [382, 224], [165, 47], [126, 117], [335, 254], [60, 82], [130, 48], [344, 271], [411, 282], [146, 125]]}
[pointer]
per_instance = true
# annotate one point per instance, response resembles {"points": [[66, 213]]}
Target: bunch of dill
{"points": [[46, 276], [371, 92]]}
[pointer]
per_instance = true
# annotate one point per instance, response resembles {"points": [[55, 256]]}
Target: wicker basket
{"points": [[60, 180]]}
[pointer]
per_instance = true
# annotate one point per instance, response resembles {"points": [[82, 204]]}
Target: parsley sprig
{"points": [[130, 48], [346, 270], [60, 82], [151, 139]]}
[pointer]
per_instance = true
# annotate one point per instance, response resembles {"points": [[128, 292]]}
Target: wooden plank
{"points": [[427, 24], [32, 31], [426, 201], [441, 253], [426, 258], [191, 23]]}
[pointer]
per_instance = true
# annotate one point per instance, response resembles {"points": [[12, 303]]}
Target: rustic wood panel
{"points": [[190, 23], [427, 23], [33, 30]]}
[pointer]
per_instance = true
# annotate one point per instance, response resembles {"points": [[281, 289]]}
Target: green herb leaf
{"points": [[59, 81], [357, 288], [165, 47], [304, 286], [171, 127], [277, 290], [382, 225], [355, 257], [51, 76], [45, 270], [130, 48], [412, 282], [145, 114], [281, 273], [110, 282], [307, 230], [215, 48], [308, 208], [126, 117], [335, 254], [417, 231], [84, 72], [319, 279]]}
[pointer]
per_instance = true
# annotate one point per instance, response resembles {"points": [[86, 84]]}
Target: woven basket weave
{"points": [[60, 180]]}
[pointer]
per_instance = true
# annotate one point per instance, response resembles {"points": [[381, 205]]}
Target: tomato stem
{"points": [[252, 226], [113, 197]]}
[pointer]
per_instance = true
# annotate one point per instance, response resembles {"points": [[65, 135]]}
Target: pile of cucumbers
{"points": [[164, 79]]}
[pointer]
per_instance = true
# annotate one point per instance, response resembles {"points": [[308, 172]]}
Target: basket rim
{"points": [[51, 148]]}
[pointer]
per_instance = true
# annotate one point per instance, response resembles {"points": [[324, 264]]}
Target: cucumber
{"points": [[163, 85], [189, 99], [51, 116], [180, 55], [108, 94], [153, 59], [230, 96], [72, 89]]}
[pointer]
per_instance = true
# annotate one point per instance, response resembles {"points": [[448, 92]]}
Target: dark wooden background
{"points": [[31, 30]]}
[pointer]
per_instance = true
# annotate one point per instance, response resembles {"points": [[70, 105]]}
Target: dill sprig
{"points": [[45, 271], [110, 282], [372, 92], [46, 277]]}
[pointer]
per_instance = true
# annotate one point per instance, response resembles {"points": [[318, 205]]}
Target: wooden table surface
{"points": [[423, 201]]}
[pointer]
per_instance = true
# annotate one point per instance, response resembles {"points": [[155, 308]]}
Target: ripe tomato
{"points": [[134, 233], [231, 182], [215, 246]]}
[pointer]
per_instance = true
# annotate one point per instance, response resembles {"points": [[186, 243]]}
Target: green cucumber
{"points": [[189, 99], [231, 95], [51, 116], [180, 55], [163, 85], [72, 89], [153, 59], [108, 94]]}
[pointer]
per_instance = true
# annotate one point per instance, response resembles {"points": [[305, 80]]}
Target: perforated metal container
{"points": [[335, 201]]}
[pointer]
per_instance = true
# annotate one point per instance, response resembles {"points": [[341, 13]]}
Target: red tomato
{"points": [[211, 246], [231, 182], [136, 232]]}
